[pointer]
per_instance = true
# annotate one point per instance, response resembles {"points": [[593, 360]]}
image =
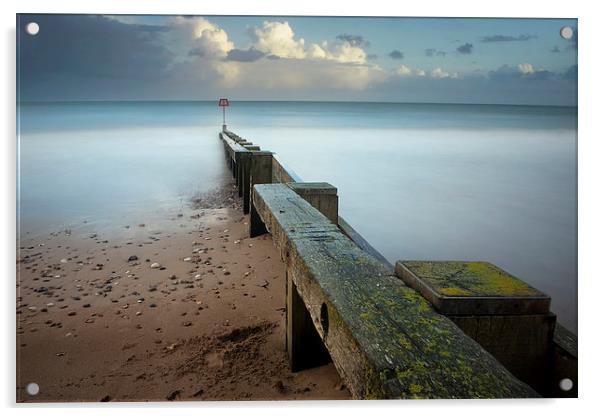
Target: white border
{"points": [[590, 203]]}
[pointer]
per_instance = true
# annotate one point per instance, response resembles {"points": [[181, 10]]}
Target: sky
{"points": [[386, 59]]}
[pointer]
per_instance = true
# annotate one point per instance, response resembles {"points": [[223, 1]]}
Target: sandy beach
{"points": [[186, 307]]}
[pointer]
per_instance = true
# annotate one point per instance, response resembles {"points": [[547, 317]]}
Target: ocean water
{"points": [[418, 181]]}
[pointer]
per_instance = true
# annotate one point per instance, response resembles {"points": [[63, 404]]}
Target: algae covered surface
{"points": [[469, 278]]}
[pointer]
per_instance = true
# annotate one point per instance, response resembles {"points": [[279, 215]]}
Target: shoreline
{"points": [[194, 311]]}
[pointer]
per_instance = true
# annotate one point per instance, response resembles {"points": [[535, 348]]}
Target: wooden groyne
{"points": [[417, 330]]}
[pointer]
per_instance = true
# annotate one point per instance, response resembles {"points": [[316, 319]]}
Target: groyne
{"points": [[419, 329]]}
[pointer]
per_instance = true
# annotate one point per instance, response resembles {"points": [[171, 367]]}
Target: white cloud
{"points": [[403, 70], [347, 53], [204, 46], [441, 73], [315, 51], [525, 68], [318, 74], [199, 35], [278, 38], [406, 71]]}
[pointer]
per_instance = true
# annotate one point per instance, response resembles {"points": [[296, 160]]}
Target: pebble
{"points": [[155, 266], [187, 259]]}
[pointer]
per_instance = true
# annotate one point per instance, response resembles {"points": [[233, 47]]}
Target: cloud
{"points": [[345, 52], [525, 68], [525, 71], [194, 58], [403, 70], [571, 73], [90, 46], [434, 52], [406, 71], [196, 52], [440, 73], [278, 38], [316, 76], [396, 54], [465, 49], [197, 36], [248, 55], [506, 38], [354, 40]]}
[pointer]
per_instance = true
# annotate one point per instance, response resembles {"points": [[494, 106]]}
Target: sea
{"points": [[496, 183]]}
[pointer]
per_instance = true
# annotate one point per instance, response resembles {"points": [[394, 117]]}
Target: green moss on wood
{"points": [[469, 278]]}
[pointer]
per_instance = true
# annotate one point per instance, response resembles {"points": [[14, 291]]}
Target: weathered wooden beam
{"points": [[505, 315], [385, 340], [282, 173], [305, 348], [260, 171], [321, 195], [237, 158]]}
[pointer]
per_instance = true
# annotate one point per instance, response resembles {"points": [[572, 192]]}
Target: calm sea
{"points": [[419, 181]]}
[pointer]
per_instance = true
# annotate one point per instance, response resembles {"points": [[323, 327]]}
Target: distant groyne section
{"points": [[419, 329]]}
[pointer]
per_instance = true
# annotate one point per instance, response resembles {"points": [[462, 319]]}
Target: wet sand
{"points": [[186, 307]]}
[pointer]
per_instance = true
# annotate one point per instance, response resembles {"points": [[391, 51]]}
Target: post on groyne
{"points": [[260, 171]]}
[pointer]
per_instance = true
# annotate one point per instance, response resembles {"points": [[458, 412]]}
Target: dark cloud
{"points": [[396, 54], [242, 55], [73, 51], [571, 73], [465, 49], [507, 72], [355, 40], [542, 75], [505, 38], [196, 52], [434, 52], [480, 88]]}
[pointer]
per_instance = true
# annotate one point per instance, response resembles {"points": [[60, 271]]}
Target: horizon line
{"points": [[282, 101]]}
